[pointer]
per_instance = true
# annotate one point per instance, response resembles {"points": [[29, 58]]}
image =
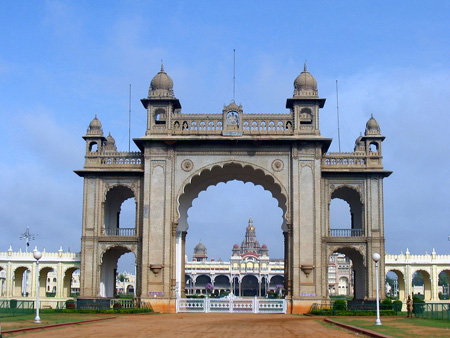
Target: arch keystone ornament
{"points": [[284, 153]]}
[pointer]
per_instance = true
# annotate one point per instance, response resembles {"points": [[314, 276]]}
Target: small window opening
{"points": [[160, 116], [93, 147]]}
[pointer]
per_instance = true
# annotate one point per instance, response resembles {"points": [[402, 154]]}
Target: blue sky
{"points": [[62, 62]]}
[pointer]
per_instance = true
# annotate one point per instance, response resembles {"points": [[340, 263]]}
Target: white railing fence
{"points": [[236, 305]]}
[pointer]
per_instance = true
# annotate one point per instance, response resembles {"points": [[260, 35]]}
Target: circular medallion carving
{"points": [[187, 165], [277, 165]]}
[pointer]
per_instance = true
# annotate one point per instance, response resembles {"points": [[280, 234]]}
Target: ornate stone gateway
{"points": [[183, 154]]}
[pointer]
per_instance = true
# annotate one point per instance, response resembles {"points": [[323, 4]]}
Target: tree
{"points": [[443, 279], [390, 281], [209, 288], [121, 277], [418, 279]]}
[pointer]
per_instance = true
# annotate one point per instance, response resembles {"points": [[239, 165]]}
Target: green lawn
{"points": [[401, 326], [21, 321]]}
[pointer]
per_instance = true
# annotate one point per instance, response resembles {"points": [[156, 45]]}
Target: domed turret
{"points": [[95, 127], [305, 85], [235, 250], [161, 85], [264, 250], [110, 144], [359, 144], [372, 127], [200, 252]]}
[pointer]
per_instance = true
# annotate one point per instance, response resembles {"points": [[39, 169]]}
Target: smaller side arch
{"points": [[398, 289], [427, 295], [108, 267], [353, 198]]}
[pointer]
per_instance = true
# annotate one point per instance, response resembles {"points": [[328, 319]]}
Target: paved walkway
{"points": [[192, 325]]}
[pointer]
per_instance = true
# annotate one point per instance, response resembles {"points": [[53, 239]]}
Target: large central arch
{"points": [[222, 173]]}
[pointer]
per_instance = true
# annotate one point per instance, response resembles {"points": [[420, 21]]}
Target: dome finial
{"points": [[161, 84], [305, 85]]}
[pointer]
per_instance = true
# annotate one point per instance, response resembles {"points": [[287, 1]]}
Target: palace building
{"points": [[250, 271]]}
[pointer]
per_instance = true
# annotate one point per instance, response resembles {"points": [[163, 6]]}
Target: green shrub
{"points": [[386, 304], [340, 304], [398, 304], [110, 311], [386, 301], [418, 305], [332, 312]]}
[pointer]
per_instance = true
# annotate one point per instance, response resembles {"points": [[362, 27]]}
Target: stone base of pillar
{"points": [[161, 305], [301, 306]]}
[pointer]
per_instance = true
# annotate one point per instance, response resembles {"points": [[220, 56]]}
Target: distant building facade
{"points": [[340, 275], [250, 271]]}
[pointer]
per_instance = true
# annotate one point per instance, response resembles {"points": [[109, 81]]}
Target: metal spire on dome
{"points": [[305, 67], [162, 65]]}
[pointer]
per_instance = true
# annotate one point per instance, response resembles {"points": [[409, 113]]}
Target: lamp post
{"points": [[27, 236], [376, 258], [37, 256]]}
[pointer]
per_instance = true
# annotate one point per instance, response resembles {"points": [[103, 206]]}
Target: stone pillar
{"points": [[240, 287], [408, 281], [33, 275], [60, 281], [9, 280], [288, 252], [434, 283], [183, 263], [178, 260]]}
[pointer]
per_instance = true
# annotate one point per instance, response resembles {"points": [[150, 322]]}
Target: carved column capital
{"points": [[174, 228]]}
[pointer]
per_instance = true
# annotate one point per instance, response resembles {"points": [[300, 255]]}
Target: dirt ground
{"points": [[199, 326]]}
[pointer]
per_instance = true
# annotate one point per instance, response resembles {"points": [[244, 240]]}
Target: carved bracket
{"points": [[156, 268], [307, 269]]}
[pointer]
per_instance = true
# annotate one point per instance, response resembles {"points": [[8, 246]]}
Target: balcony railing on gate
{"points": [[346, 232], [119, 232]]}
